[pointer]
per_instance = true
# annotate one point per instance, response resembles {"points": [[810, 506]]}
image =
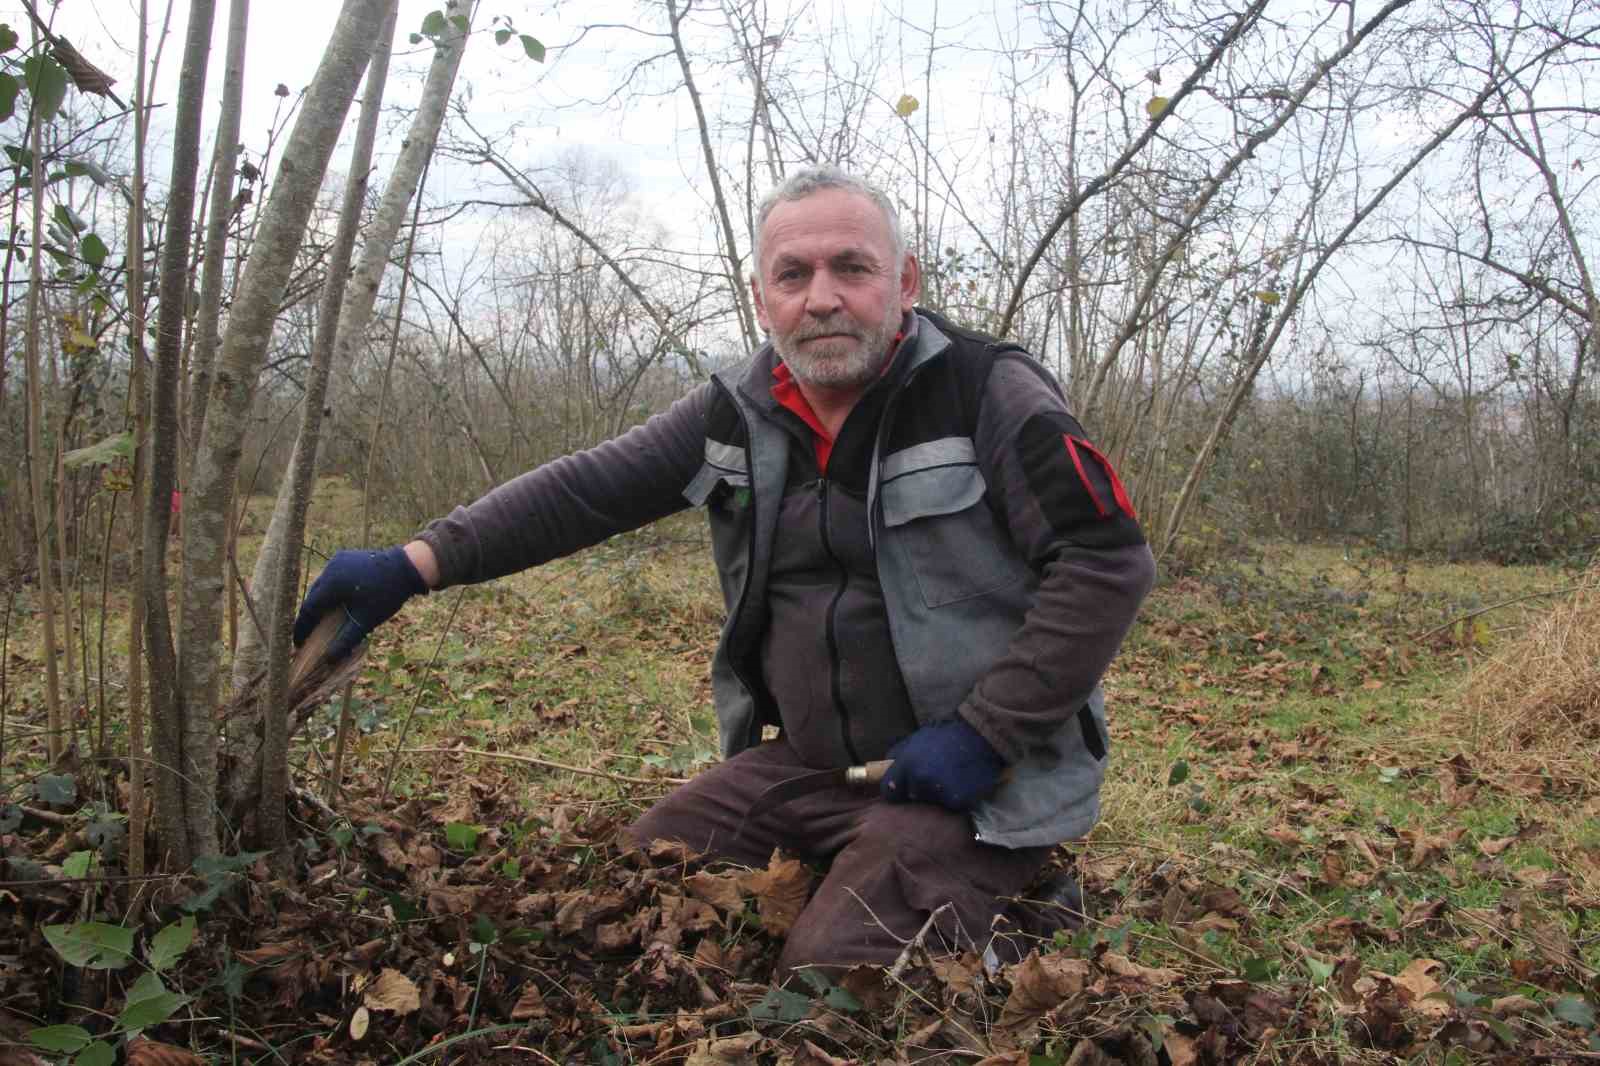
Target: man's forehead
{"points": [[829, 222]]}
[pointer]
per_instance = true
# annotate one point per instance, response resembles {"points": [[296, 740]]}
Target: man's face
{"points": [[830, 289]]}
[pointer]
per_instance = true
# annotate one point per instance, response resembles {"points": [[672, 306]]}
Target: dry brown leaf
{"points": [[1332, 871], [719, 890], [392, 991], [1180, 1049], [270, 954], [530, 1004], [1492, 848], [1122, 966], [1005, 1058], [781, 892], [1419, 981], [740, 1048], [1508, 1006], [708, 955], [154, 1053], [1038, 985], [811, 1055]]}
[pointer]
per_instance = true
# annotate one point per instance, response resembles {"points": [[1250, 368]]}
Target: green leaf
{"points": [[8, 37], [511, 869], [60, 1038], [842, 1000], [461, 23], [77, 864], [58, 790], [47, 84], [98, 1053], [1156, 106], [483, 930], [416, 38], [461, 836], [1575, 1010], [1259, 970], [1320, 971], [9, 88], [87, 168], [97, 945], [112, 449], [532, 46], [93, 250], [433, 24], [1268, 297], [1178, 774], [149, 1003], [781, 1005], [70, 219], [907, 105], [501, 36], [171, 942]]}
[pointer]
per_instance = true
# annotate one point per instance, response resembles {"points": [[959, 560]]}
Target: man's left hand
{"points": [[948, 763]]}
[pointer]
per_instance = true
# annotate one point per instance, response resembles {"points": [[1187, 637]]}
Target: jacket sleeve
{"points": [[577, 500], [1069, 514]]}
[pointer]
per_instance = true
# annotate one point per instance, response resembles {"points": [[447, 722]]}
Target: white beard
{"points": [[848, 359]]}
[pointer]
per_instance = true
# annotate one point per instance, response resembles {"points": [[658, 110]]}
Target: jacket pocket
{"points": [[932, 503], [722, 480]]}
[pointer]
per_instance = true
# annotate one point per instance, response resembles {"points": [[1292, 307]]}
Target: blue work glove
{"points": [[948, 763], [368, 586]]}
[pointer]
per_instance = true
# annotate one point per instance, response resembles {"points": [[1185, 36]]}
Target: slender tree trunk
{"points": [[238, 366], [275, 589], [139, 417], [208, 319], [185, 822], [55, 722]]}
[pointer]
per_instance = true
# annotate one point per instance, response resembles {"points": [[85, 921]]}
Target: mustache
{"points": [[831, 326]]}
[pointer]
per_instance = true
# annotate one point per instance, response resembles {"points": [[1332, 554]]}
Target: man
{"points": [[923, 559]]}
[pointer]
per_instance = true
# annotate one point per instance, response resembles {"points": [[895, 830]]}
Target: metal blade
{"points": [[806, 784]]}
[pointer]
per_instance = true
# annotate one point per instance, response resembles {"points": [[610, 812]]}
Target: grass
{"points": [[1293, 783]]}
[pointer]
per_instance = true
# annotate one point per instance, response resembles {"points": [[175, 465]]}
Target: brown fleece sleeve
{"points": [[577, 500], [1068, 512]]}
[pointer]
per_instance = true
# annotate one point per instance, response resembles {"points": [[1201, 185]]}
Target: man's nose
{"points": [[822, 294]]}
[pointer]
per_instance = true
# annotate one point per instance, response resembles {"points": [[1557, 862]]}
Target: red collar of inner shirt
{"points": [[786, 390]]}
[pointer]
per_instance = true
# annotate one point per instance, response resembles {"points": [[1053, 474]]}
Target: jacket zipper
{"points": [[833, 637]]}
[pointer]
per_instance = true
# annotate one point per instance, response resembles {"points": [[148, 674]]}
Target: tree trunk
{"points": [[208, 319], [244, 348], [181, 779], [268, 775], [139, 417], [352, 315]]}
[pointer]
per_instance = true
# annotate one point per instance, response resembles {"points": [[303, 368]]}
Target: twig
{"points": [[1496, 606], [548, 765], [918, 941], [405, 727]]}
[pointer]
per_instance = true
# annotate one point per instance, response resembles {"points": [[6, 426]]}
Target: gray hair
{"points": [[815, 178]]}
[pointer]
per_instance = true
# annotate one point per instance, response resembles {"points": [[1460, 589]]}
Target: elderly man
{"points": [[923, 557]]}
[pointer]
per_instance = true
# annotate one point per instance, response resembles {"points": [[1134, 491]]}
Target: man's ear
{"points": [[761, 304], [910, 282]]}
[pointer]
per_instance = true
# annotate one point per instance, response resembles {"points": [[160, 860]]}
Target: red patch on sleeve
{"points": [[1119, 494]]}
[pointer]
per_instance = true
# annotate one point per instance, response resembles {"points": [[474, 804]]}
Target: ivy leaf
{"points": [[87, 168], [8, 37], [93, 250], [60, 1038], [112, 449], [98, 1053], [501, 36], [781, 1005], [461, 23], [70, 219], [907, 105], [171, 942], [47, 84], [433, 24], [461, 836], [9, 88], [532, 46], [416, 38], [1179, 773], [57, 790], [1574, 1009], [97, 945], [149, 1003], [77, 864]]}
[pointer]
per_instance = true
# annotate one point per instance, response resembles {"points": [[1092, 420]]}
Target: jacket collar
{"points": [[922, 342]]}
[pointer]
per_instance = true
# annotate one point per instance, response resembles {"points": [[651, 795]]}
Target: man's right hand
{"points": [[368, 586]]}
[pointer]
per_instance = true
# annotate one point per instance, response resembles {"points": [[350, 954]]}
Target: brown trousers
{"points": [[891, 864]]}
